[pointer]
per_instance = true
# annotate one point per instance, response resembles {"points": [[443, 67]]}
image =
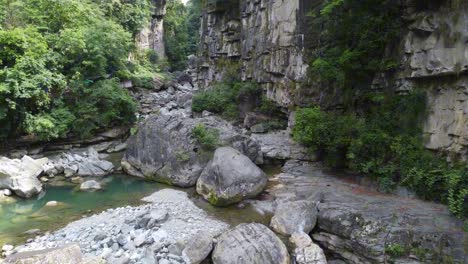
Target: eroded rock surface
{"points": [[20, 175], [295, 216], [230, 177], [164, 149], [81, 163], [70, 254], [280, 146], [306, 251], [358, 226], [250, 243]]}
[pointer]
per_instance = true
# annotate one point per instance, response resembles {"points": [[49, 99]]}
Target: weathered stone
{"points": [[356, 224], [250, 243], [199, 249], [70, 254], [20, 176], [305, 251], [296, 216], [230, 177], [280, 146], [90, 186], [164, 149]]}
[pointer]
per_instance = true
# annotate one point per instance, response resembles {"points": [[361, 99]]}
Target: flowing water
{"points": [[25, 215]]}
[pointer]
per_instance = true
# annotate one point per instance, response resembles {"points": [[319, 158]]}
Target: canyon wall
{"points": [[266, 40], [259, 36], [151, 36], [434, 57]]}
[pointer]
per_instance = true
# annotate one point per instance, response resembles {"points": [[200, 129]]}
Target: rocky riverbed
{"points": [[169, 229], [315, 215]]}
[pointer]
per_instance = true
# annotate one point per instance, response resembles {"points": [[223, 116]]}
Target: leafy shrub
{"points": [[391, 153], [357, 33], [54, 59], [224, 97], [330, 134], [206, 137], [100, 105], [51, 125], [395, 250]]}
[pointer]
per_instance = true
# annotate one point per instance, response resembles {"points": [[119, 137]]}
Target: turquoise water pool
{"points": [[23, 215]]}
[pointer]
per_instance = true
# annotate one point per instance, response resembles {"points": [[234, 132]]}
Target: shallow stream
{"points": [[21, 216]]}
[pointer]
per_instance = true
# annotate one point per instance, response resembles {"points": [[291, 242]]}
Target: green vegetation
{"points": [[377, 133], [385, 145], [395, 250], [355, 40], [60, 65], [208, 138], [224, 98], [181, 37]]}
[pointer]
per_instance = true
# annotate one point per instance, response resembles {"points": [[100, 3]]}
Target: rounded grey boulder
{"points": [[250, 243], [164, 149], [230, 177], [296, 216], [90, 186]]}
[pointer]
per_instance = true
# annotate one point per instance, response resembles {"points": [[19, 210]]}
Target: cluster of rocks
{"points": [[108, 141], [82, 164], [24, 177], [174, 96], [170, 229]]}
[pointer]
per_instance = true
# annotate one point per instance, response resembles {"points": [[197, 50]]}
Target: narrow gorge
{"points": [[234, 131]]}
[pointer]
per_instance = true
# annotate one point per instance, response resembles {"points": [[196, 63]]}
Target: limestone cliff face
{"points": [[264, 38], [151, 37], [259, 36], [434, 56]]}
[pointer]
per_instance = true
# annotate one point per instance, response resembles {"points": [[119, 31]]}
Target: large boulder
{"points": [[70, 254], [91, 185], [20, 175], [230, 177], [250, 243], [164, 150], [195, 253], [305, 251], [295, 216]]}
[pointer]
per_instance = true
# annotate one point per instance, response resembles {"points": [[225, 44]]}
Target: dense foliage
{"points": [[207, 138], [386, 144], [351, 48], [181, 37], [57, 60], [224, 98]]}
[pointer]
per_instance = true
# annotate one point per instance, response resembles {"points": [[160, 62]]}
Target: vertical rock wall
{"points": [[151, 37], [260, 37], [264, 39], [434, 57]]}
